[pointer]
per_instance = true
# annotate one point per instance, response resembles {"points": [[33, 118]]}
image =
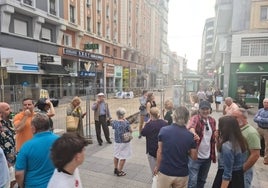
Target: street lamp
{"points": [[88, 136]]}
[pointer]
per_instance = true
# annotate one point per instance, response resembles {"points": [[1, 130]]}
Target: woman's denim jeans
{"points": [[198, 172], [248, 176]]}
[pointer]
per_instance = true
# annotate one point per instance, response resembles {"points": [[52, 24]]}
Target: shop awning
{"points": [[54, 69]]}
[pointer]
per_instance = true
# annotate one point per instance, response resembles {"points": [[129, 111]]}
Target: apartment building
{"points": [[206, 67], [65, 44], [241, 48]]}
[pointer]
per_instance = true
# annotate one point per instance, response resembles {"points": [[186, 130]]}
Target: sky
{"points": [[186, 20]]}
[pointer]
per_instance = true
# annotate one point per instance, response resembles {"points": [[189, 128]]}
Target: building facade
{"points": [[206, 67], [241, 48], [65, 44]]}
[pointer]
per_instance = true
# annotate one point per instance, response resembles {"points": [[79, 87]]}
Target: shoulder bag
{"points": [[71, 123], [127, 136]]}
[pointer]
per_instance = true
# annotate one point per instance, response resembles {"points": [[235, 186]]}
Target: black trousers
{"points": [[102, 123], [237, 180]]}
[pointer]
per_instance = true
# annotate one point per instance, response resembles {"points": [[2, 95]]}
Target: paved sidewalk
{"points": [[97, 170]]}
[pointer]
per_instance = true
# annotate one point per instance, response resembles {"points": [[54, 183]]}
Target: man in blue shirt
{"points": [[175, 145], [261, 118], [34, 167]]}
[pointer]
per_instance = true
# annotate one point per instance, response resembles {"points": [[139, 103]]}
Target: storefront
{"points": [[126, 79], [118, 78], [85, 71], [18, 64], [110, 78], [245, 81]]}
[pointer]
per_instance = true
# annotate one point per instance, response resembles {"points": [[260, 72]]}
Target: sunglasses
{"points": [[206, 124]]}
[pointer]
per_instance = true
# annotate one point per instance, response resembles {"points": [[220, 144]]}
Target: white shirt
{"points": [[63, 180], [204, 147]]}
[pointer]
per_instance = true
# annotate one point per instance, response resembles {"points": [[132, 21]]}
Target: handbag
{"points": [[127, 136], [71, 123]]}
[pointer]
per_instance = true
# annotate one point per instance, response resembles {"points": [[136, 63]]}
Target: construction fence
{"points": [[128, 99]]}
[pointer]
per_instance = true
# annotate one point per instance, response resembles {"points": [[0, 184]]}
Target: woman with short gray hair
{"points": [[122, 149]]}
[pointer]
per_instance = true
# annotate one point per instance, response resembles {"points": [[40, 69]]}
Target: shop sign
{"points": [[87, 74], [82, 54], [45, 58], [92, 46], [109, 71], [118, 71]]}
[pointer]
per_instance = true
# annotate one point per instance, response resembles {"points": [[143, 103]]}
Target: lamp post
{"points": [[88, 136], [90, 90]]}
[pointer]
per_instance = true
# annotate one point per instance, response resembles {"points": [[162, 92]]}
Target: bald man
{"points": [[230, 106], [7, 141]]}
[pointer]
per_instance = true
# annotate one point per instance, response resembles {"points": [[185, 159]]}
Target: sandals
{"points": [[115, 171], [121, 173]]}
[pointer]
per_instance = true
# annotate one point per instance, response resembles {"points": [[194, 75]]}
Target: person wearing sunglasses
{"points": [[203, 126]]}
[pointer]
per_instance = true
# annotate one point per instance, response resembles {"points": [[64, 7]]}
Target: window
{"points": [[89, 24], [99, 6], [72, 14], [28, 2], [99, 28], [46, 34], [98, 50], [107, 32], [20, 27], [88, 3], [264, 12], [107, 12], [107, 50], [254, 47], [67, 40], [52, 7], [115, 53]]}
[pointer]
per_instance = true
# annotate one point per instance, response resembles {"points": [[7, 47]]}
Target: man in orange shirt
{"points": [[22, 123]]}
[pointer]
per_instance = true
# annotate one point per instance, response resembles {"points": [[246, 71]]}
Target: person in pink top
{"points": [[230, 106]]}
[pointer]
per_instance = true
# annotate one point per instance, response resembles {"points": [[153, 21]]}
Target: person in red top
{"points": [[22, 123], [203, 126]]}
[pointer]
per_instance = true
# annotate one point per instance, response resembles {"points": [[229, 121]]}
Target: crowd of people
{"points": [[181, 143]]}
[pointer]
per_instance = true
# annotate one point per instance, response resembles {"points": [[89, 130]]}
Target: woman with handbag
{"points": [[122, 136], [74, 112]]}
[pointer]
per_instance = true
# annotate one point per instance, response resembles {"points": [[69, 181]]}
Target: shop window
{"points": [[247, 87]]}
